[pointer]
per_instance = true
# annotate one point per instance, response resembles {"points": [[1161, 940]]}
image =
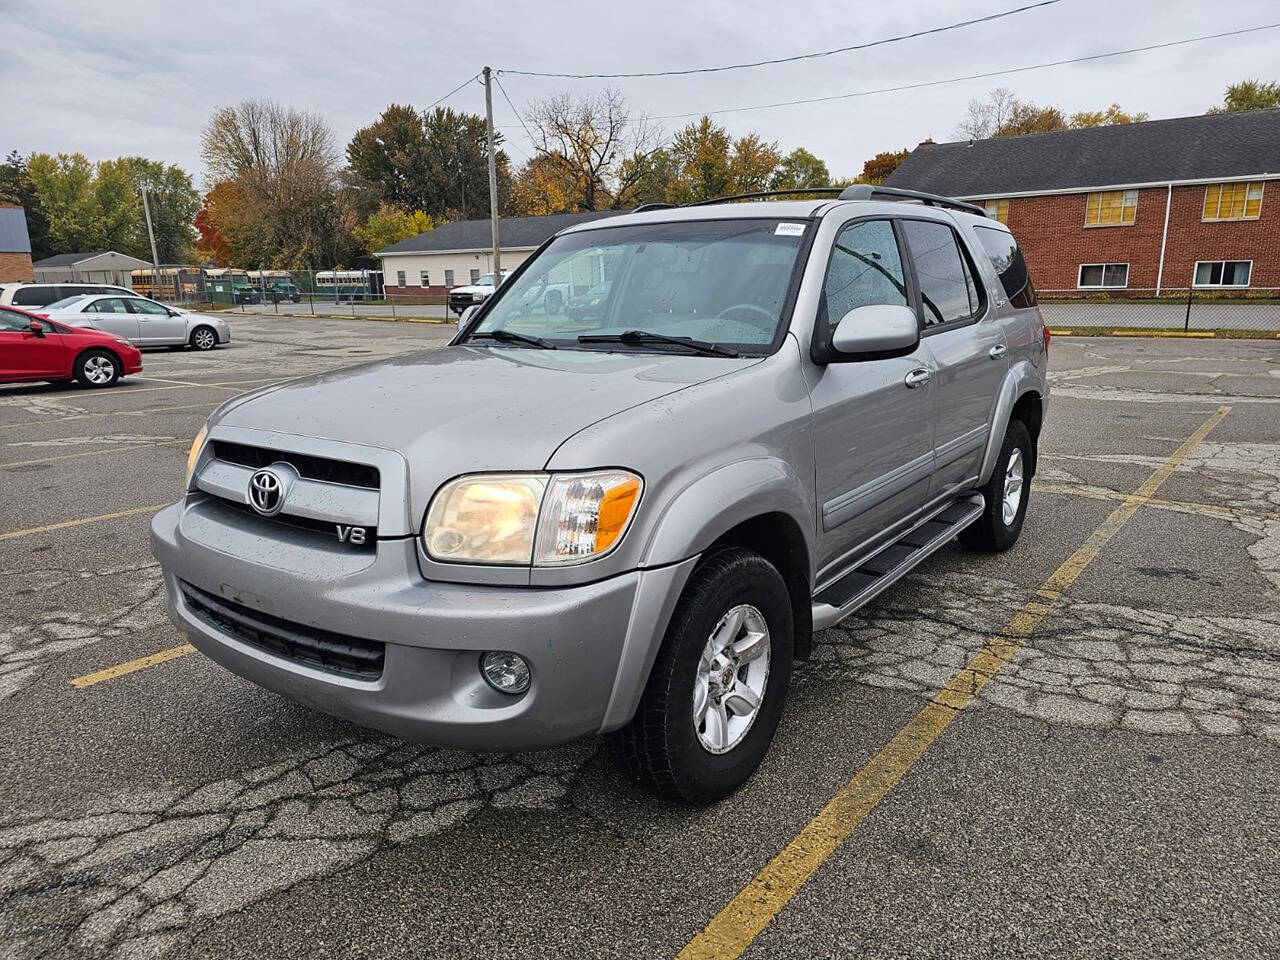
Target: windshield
{"points": [[718, 281]]}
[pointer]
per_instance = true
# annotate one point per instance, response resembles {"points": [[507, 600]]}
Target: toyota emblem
{"points": [[266, 492]]}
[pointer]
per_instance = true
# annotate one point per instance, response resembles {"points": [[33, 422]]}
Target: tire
{"points": [[203, 338], [997, 529], [98, 368], [663, 746], [553, 301]]}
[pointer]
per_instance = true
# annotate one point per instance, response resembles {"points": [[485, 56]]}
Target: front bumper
{"points": [[430, 689]]}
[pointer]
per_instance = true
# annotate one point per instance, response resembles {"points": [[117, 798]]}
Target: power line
{"points": [[452, 92], [793, 59], [972, 76], [503, 90]]}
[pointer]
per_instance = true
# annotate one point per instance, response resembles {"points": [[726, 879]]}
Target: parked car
{"points": [[786, 406], [469, 295], [35, 348], [147, 323], [589, 305], [31, 295]]}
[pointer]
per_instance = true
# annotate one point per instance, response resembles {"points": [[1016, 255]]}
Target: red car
{"points": [[33, 347]]}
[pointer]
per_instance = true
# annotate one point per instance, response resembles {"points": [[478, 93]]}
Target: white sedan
{"points": [[146, 323]]}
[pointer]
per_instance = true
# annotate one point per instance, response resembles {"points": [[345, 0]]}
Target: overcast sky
{"points": [[115, 78]]}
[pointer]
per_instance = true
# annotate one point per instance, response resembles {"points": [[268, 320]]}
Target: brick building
{"points": [[1142, 207], [15, 246]]}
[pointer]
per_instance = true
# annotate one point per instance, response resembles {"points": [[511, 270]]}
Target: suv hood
{"points": [[461, 409]]}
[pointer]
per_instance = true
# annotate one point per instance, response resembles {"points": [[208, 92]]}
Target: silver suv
{"points": [[632, 520]]}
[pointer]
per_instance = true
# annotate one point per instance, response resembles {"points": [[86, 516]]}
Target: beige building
{"points": [[98, 266]]}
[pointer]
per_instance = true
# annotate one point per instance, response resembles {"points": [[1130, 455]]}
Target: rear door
{"points": [[873, 419], [966, 340], [156, 325], [112, 315]]}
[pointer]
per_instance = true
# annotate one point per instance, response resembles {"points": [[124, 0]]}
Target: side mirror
{"points": [[467, 314], [37, 328], [876, 329]]}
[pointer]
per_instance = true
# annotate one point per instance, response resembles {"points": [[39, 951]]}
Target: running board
{"points": [[889, 565]]}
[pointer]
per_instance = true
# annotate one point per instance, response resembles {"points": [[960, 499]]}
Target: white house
{"points": [[98, 266], [459, 253]]}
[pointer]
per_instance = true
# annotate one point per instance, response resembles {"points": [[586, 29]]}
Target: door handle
{"points": [[996, 352], [917, 378]]}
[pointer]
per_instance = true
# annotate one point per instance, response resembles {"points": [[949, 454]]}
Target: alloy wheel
{"points": [[732, 674], [1012, 487], [99, 369]]}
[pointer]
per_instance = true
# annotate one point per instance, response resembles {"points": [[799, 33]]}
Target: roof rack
{"points": [[859, 191], [865, 191]]}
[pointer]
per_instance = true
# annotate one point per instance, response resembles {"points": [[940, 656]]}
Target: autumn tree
{"points": [[1249, 95], [1002, 114], [602, 148], [212, 245], [877, 169], [389, 225], [283, 164], [1102, 118]]}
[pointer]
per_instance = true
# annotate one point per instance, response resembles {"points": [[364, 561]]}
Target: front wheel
{"points": [[717, 688], [1006, 493], [203, 338], [97, 368]]}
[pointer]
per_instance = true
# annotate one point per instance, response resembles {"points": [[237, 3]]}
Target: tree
{"points": [[212, 244], [752, 164], [700, 157], [1101, 118], [800, 168], [436, 162], [546, 184], [1249, 95], [603, 150], [16, 187], [877, 169], [171, 195], [390, 225], [285, 210], [984, 117]]}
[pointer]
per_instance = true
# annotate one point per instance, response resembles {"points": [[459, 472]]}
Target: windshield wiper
{"points": [[508, 336], [647, 336]]}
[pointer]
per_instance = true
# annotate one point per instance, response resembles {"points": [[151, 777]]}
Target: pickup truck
{"points": [[538, 533]]}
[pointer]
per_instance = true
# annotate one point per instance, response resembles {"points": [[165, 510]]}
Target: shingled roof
{"points": [[514, 232], [1156, 152]]}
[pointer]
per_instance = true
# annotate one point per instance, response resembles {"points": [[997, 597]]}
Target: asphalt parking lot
{"points": [[1069, 750]]}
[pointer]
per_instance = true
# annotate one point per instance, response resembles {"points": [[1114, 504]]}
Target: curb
{"points": [[1165, 334]]}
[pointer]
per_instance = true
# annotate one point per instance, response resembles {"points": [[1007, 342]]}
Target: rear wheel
{"points": [[1006, 493], [203, 338], [717, 688], [97, 368]]}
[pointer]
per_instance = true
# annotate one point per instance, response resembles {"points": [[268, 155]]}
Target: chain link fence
{"points": [[353, 293], [1188, 309]]}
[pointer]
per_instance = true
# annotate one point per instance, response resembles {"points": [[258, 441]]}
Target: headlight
{"points": [[196, 446], [544, 519]]}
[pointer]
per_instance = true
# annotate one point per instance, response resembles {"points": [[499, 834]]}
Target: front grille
{"points": [[322, 649], [311, 467], [323, 528], [460, 301]]}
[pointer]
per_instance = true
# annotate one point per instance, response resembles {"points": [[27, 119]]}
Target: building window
{"points": [[424, 278], [475, 276], [1097, 276], [399, 278], [997, 209], [1233, 201], [448, 278], [1223, 273], [1111, 208]]}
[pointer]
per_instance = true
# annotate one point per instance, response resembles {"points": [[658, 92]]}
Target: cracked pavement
{"points": [[1114, 790]]}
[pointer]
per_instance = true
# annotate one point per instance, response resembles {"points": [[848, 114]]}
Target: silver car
{"points": [[144, 322], [631, 524]]}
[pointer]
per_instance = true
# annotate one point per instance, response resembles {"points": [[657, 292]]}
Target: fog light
{"points": [[505, 672]]}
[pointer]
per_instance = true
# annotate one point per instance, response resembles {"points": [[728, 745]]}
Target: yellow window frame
{"points": [[1111, 208], [997, 209], [1237, 200]]}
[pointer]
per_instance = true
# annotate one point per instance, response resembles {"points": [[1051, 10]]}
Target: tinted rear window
{"points": [[37, 296], [1005, 256], [947, 287]]}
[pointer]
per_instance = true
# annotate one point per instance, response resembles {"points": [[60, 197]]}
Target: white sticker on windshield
{"points": [[789, 230]]}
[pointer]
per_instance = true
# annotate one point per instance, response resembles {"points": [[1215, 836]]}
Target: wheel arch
{"points": [[1021, 397], [96, 348]]}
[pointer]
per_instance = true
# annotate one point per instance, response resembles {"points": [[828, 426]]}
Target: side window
{"points": [[865, 268], [1003, 252], [146, 306], [11, 322], [108, 305], [947, 287], [35, 296]]}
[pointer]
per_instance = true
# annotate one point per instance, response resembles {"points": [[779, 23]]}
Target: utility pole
{"points": [[493, 175], [155, 260]]}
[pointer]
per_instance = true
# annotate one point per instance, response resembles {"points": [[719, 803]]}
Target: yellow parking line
{"points": [[92, 453], [120, 669], [731, 931], [63, 524]]}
